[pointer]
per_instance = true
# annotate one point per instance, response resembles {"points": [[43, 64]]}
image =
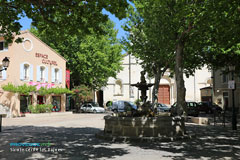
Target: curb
{"points": [[47, 114]]}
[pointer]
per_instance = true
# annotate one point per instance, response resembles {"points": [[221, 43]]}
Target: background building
{"points": [[32, 62], [121, 89], [222, 93]]}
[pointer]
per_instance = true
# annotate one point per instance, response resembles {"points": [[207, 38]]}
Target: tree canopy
{"points": [[155, 57], [196, 32], [58, 16], [92, 59], [222, 48]]}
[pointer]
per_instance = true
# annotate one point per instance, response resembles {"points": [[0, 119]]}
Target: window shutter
{"points": [[31, 72], [22, 71], [38, 74], [53, 75], [46, 74], [5, 46], [60, 75], [4, 74]]}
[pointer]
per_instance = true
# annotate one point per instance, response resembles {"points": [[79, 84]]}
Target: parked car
{"points": [[208, 107], [92, 107], [216, 107], [204, 107], [192, 109], [163, 108], [122, 106]]}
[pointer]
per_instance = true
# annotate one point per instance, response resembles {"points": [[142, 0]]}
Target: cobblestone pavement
{"points": [[72, 136]]}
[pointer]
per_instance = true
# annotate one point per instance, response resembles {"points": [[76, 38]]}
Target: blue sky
{"points": [[26, 23]]}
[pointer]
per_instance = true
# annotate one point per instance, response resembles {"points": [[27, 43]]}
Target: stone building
{"points": [[222, 93], [32, 62], [121, 89]]}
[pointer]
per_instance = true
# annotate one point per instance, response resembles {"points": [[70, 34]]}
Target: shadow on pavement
{"points": [[73, 143], [211, 142]]}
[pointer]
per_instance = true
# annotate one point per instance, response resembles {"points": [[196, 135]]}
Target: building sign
{"points": [[68, 78], [45, 59], [39, 85], [231, 84]]}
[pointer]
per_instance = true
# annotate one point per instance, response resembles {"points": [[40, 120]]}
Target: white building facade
{"points": [[121, 89]]}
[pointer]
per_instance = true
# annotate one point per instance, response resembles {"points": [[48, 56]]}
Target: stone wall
{"points": [[144, 126]]}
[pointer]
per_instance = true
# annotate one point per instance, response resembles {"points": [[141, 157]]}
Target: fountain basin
{"points": [[160, 126]]}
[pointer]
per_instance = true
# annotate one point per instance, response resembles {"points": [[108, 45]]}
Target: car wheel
{"points": [[94, 111], [115, 111]]}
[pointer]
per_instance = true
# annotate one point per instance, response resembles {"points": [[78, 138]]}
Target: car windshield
{"points": [[95, 104], [132, 103], [164, 105]]}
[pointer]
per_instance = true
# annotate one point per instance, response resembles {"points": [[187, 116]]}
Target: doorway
{"points": [[41, 99], [100, 97], [56, 102], [225, 101], [164, 94], [25, 101]]}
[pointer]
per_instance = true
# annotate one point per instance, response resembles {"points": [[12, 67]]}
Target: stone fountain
{"points": [[144, 127], [143, 87]]}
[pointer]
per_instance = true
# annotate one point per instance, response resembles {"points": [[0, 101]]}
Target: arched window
{"points": [[42, 73], [26, 70], [56, 73], [3, 46], [118, 87]]}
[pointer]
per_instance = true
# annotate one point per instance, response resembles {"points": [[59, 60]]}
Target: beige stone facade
{"points": [[222, 94], [32, 62]]}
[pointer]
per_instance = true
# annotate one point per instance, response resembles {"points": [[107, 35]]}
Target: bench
{"points": [[1, 115]]}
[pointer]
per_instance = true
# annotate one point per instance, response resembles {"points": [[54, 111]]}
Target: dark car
{"points": [[216, 108], [122, 106], [208, 107], [192, 109], [163, 108], [204, 107]]}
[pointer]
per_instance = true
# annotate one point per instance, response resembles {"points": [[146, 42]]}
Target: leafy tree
{"points": [[223, 47], [155, 59], [167, 26], [92, 59], [81, 94], [197, 32], [58, 16]]}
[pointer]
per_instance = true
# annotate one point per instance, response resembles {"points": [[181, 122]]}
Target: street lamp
{"points": [[5, 64], [234, 116]]}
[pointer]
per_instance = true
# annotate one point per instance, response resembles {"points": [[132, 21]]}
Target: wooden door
{"points": [[164, 94]]}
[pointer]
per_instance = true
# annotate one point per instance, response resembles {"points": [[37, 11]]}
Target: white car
{"points": [[92, 107]]}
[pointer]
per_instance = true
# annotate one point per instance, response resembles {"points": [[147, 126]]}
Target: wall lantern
{"points": [[5, 64]]}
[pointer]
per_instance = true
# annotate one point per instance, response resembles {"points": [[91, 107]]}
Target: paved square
{"points": [[72, 136]]}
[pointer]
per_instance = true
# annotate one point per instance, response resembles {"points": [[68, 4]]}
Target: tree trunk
{"points": [[157, 76], [181, 91]]}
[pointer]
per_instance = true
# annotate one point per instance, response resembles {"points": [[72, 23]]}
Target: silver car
{"points": [[92, 108]]}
